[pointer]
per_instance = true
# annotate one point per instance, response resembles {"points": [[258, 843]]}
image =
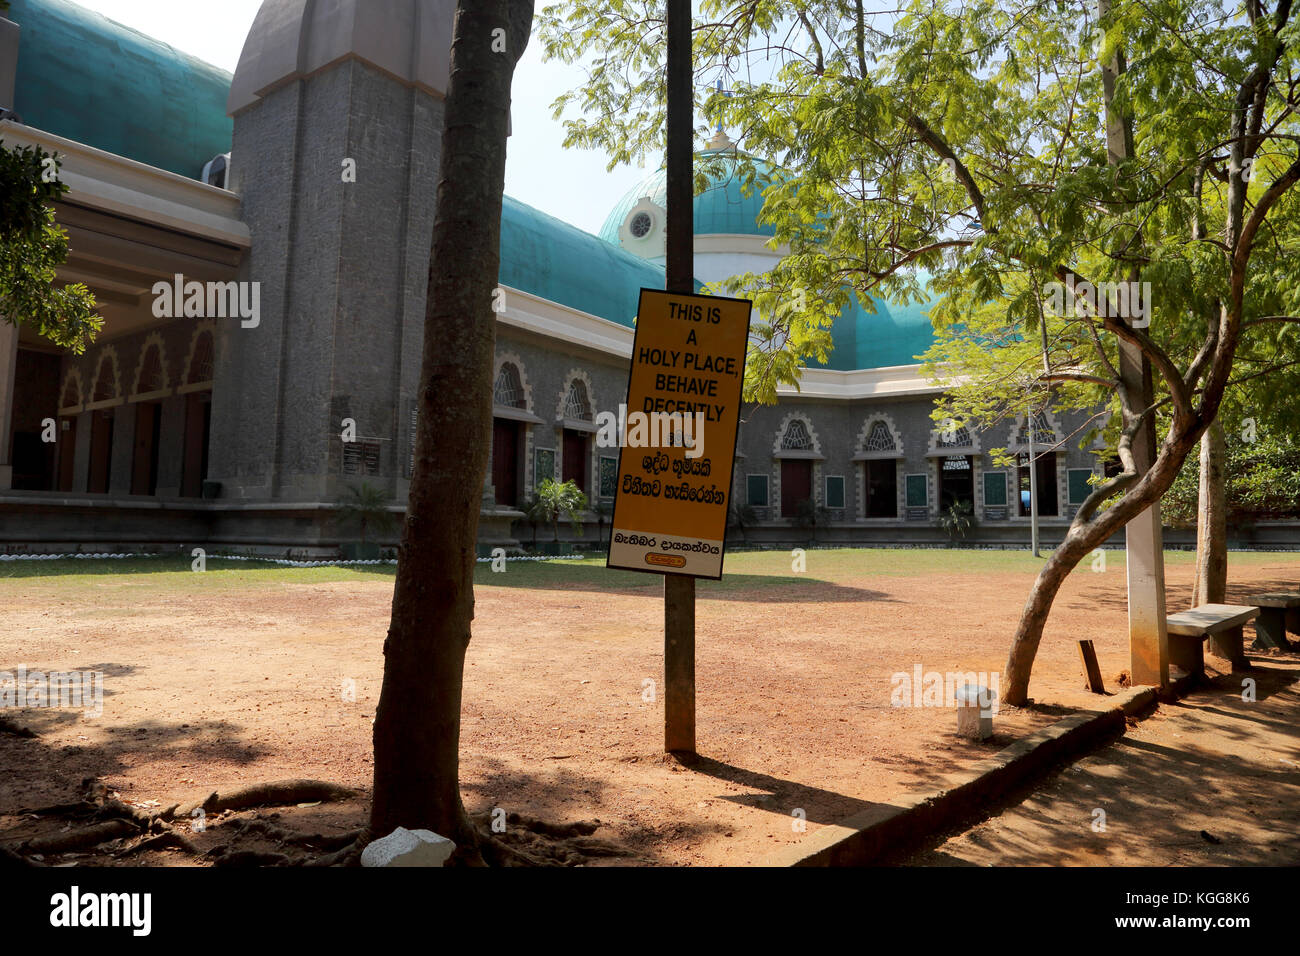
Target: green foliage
{"points": [[810, 515], [365, 507], [32, 247], [958, 150], [957, 520], [554, 499], [742, 518], [1262, 481]]}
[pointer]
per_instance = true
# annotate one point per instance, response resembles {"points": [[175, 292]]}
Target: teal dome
{"points": [[556, 261], [95, 81], [722, 209], [894, 335]]}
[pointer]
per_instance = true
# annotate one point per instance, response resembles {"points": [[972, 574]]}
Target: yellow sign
{"points": [[678, 434]]}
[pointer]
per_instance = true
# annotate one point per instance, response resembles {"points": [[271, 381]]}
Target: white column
{"points": [[8, 372], [1147, 624], [1148, 632]]}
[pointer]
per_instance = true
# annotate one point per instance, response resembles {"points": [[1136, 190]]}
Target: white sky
{"points": [[569, 184]]}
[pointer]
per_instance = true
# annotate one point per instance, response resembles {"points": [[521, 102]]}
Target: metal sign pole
{"points": [[679, 591]]}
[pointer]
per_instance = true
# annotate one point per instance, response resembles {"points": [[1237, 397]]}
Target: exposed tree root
{"points": [[8, 858], [498, 853], [272, 831], [7, 726], [109, 819], [593, 846], [82, 839], [349, 855], [57, 810], [169, 839], [560, 831], [526, 842], [248, 858], [275, 793]]}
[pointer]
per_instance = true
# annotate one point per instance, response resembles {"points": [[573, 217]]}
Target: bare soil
{"points": [[263, 678]]}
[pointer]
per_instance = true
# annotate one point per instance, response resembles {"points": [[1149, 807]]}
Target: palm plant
{"points": [[555, 498], [958, 519], [810, 515], [742, 517], [365, 507]]}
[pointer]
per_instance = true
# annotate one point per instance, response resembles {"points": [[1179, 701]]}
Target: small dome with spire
{"points": [[721, 210]]}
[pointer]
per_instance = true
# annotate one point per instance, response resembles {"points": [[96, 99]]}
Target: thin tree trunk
{"points": [[1029, 630], [1088, 531], [417, 722], [1211, 522]]}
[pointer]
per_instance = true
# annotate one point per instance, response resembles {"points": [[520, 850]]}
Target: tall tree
{"points": [[417, 722], [969, 141]]}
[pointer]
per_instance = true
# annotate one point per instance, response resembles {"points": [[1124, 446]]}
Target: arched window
{"points": [[1044, 434], [509, 390], [957, 436], [71, 393], [576, 404], [152, 378], [880, 438], [201, 360], [105, 381], [796, 437]]}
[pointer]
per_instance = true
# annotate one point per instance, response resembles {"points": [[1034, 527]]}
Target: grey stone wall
{"points": [[837, 428], [343, 269]]}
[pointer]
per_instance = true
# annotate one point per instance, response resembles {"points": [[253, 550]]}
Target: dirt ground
{"points": [[1211, 780], [238, 676]]}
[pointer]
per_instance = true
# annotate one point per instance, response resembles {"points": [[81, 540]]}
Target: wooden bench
{"points": [[1279, 612], [1221, 624]]}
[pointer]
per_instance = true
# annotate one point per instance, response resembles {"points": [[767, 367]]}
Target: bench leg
{"points": [[1187, 654], [1270, 629], [1229, 645]]}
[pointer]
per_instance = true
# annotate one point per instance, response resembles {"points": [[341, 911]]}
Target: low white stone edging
{"points": [[280, 561]]}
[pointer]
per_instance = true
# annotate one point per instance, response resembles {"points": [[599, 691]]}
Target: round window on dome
{"points": [[640, 225]]}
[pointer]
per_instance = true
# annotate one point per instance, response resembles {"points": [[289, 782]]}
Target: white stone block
{"points": [[405, 847], [974, 712]]}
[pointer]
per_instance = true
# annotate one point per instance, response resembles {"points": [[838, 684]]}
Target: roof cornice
{"points": [[115, 184], [530, 313]]}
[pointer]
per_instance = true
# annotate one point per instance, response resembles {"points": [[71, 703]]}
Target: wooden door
{"points": [[956, 481], [67, 452], [101, 452], [796, 485], [198, 425], [575, 458], [882, 488], [144, 462], [505, 461]]}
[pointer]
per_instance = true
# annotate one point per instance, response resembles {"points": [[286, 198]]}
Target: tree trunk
{"points": [[1211, 522], [417, 722], [1087, 532], [1029, 630]]}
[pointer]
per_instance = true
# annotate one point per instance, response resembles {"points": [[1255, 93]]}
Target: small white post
{"points": [[974, 712]]}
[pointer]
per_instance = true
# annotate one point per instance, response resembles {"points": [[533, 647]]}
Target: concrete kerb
{"points": [[896, 827]]}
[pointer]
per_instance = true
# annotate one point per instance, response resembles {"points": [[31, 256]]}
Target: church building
{"points": [[259, 244]]}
